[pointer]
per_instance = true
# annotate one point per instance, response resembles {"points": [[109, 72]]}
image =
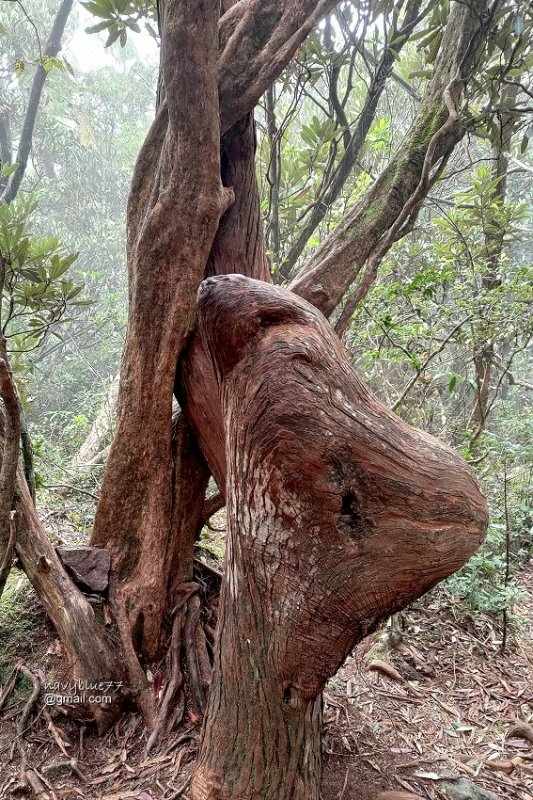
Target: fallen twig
{"points": [[8, 688], [25, 716]]}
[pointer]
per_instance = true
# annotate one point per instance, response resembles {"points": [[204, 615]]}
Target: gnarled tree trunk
{"points": [[175, 209], [179, 231], [339, 514]]}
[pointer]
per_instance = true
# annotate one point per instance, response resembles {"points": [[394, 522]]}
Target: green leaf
{"points": [[8, 169], [98, 11], [113, 36], [100, 26]]}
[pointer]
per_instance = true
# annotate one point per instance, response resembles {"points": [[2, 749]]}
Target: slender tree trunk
{"points": [[339, 514], [494, 237], [357, 139], [52, 48], [101, 430], [10, 453], [273, 176]]}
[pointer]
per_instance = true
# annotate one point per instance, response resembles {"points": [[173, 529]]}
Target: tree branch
{"points": [[357, 139], [51, 50], [258, 38], [335, 265], [428, 361]]}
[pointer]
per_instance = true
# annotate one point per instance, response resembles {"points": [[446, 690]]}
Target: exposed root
{"points": [[392, 673], [61, 743], [29, 775], [189, 643], [170, 711], [197, 658], [386, 669], [36, 783]]}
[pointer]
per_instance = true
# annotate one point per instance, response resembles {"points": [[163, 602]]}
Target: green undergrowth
{"points": [[21, 623], [213, 539]]}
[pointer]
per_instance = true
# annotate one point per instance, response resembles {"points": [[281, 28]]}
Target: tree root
{"points": [[188, 644], [197, 657], [26, 714], [36, 783], [521, 731], [172, 703], [386, 669], [29, 775], [391, 673]]}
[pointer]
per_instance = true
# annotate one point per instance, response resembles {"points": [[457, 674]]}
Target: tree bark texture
{"points": [[10, 424], [339, 514], [175, 206], [169, 244], [238, 248], [182, 227]]}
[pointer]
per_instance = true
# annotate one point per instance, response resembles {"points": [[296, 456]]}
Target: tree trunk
{"points": [[89, 655], [339, 514], [101, 430], [238, 248], [170, 238], [51, 49], [494, 239], [179, 230]]}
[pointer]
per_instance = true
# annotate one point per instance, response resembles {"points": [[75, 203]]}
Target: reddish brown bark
{"points": [[238, 248], [173, 215], [190, 480], [339, 514], [170, 237], [258, 38]]}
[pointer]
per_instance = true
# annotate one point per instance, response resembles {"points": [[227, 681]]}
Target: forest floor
{"points": [[441, 715]]}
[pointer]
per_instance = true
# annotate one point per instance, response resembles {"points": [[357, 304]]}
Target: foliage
{"points": [[118, 17], [38, 292], [20, 620], [480, 584]]}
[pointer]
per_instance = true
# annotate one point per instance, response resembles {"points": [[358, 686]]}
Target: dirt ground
{"points": [[444, 703]]}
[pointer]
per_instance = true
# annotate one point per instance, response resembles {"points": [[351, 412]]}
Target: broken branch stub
{"points": [[339, 514]]}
